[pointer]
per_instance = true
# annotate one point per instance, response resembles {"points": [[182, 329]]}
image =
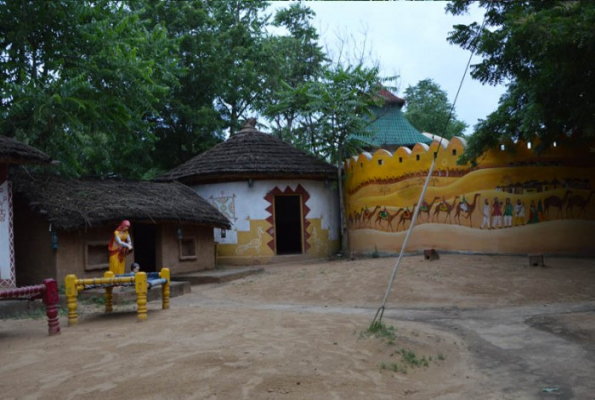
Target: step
{"points": [[217, 275]]}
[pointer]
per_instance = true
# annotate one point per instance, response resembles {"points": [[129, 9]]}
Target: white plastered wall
{"points": [[242, 203], [6, 258]]}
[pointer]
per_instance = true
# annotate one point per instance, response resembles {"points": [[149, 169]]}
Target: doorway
{"points": [[144, 240], [288, 224]]}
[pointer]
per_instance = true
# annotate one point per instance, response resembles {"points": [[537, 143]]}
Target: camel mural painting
{"points": [[525, 203]]}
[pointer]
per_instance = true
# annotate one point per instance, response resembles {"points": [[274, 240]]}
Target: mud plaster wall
{"points": [[555, 190], [35, 260], [170, 248], [249, 208]]}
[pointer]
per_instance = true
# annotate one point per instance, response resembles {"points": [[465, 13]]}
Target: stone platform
{"points": [[216, 275]]}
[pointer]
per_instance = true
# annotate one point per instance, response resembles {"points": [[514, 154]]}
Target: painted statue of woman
{"points": [[119, 246]]}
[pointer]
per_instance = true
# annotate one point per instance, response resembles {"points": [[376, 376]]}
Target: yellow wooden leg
{"points": [[71, 295], [109, 293], [164, 274], [141, 295]]}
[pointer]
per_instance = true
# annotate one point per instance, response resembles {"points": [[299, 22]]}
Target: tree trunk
{"points": [[343, 226]]}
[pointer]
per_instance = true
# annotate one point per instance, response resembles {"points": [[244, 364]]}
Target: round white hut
{"points": [[281, 200]]}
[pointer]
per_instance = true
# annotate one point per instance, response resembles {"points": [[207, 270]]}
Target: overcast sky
{"points": [[409, 40]]}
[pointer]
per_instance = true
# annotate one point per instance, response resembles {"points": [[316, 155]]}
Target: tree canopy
{"points": [[79, 79], [133, 89], [545, 52], [428, 110]]}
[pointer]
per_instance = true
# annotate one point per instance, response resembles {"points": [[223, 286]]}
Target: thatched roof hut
{"points": [[251, 154], [70, 204], [278, 197], [63, 226], [15, 152]]}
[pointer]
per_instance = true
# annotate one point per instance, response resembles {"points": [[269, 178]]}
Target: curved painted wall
{"points": [[535, 204], [250, 209]]}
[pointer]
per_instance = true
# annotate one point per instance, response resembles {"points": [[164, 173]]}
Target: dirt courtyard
{"points": [[462, 327]]}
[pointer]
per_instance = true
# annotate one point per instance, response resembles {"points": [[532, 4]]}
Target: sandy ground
{"points": [[465, 327]]}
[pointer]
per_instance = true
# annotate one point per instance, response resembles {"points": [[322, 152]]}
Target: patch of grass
{"points": [[379, 330], [37, 313], [393, 367], [410, 358], [96, 300], [61, 289]]}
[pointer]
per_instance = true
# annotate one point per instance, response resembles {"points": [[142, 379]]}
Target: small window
{"points": [[223, 233], [380, 162], [96, 256], [454, 152], [417, 157], [435, 154], [400, 159], [187, 249], [361, 165]]}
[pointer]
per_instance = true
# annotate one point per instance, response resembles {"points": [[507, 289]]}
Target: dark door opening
{"points": [[145, 246], [288, 224]]}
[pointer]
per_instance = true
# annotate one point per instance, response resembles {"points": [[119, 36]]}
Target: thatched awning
{"points": [[14, 152], [251, 154], [71, 204]]}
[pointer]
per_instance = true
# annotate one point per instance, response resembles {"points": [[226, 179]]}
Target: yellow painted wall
{"points": [[381, 190], [252, 247]]}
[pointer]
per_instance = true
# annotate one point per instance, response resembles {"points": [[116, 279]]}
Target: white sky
{"points": [[408, 39]]}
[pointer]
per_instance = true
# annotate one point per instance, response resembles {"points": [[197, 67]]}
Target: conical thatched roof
{"points": [[78, 203], [14, 152], [251, 154]]}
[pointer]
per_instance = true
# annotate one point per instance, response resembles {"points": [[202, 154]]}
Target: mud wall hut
{"points": [[63, 226], [12, 152], [280, 200]]}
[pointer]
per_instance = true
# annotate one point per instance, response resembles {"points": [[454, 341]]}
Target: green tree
{"points": [[295, 58], [428, 110], [79, 79], [239, 28], [187, 123], [545, 51]]}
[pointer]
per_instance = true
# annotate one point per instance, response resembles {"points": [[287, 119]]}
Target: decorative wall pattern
{"points": [[7, 261], [270, 197], [520, 202], [226, 205], [251, 239]]}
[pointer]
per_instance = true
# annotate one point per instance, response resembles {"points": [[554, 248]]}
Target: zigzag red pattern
{"points": [[270, 197]]}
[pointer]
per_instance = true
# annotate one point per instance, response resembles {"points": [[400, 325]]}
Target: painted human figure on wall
{"points": [[540, 211], [496, 213], [464, 206], [119, 246], [519, 213], [485, 212], [533, 217], [508, 210]]}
